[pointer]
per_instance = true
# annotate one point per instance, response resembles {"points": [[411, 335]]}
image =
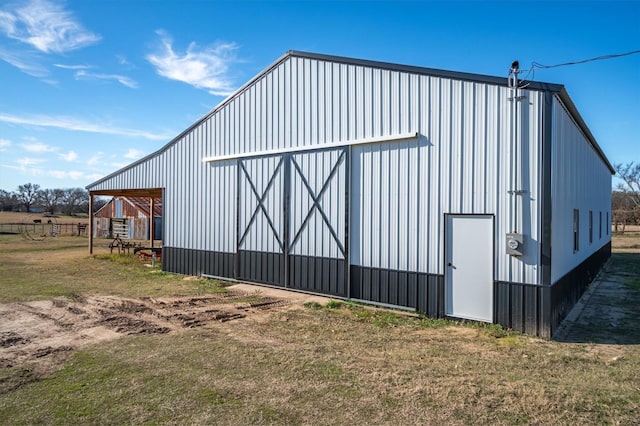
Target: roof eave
{"points": [[568, 103], [194, 125], [457, 75]]}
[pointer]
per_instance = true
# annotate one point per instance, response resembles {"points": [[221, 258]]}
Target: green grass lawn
{"points": [[35, 270]]}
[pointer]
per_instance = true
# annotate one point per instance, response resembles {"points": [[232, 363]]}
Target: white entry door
{"points": [[469, 267]]}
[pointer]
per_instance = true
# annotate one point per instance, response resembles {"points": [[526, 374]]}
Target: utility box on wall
{"points": [[515, 244]]}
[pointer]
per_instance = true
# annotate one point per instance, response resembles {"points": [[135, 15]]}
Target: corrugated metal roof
{"points": [[133, 206]]}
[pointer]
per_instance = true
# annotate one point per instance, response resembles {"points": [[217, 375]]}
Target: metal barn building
{"points": [[447, 193]]}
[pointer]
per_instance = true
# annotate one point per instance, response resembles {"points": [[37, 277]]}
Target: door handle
{"points": [[449, 264]]}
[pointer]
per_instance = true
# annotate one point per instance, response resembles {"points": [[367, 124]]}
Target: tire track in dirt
{"points": [[43, 334]]}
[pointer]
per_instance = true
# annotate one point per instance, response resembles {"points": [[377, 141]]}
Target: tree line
{"points": [[31, 197], [625, 200]]}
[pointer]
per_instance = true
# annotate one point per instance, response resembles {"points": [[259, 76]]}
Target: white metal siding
{"points": [[580, 180], [219, 224], [466, 160]]}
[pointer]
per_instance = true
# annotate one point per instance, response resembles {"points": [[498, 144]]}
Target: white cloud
{"points": [[25, 162], [38, 147], [46, 26], [122, 60], [71, 123], [4, 144], [63, 174], [72, 67], [69, 156], [133, 154], [24, 62], [24, 168], [58, 174], [95, 159], [7, 22], [204, 68], [75, 175], [94, 176], [125, 81]]}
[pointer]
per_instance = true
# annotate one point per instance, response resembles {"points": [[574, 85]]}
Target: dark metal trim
{"points": [[347, 213], [518, 307], [262, 266], [421, 291], [286, 208], [318, 274], [197, 262], [236, 263], [566, 291], [544, 277]]}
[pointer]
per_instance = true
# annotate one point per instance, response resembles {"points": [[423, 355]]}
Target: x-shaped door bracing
{"points": [[261, 198], [316, 203]]}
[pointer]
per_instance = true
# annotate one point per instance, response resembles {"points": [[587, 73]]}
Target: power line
{"points": [[531, 71], [599, 58]]}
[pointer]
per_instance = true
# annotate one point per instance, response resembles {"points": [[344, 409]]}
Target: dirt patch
{"points": [[43, 334]]}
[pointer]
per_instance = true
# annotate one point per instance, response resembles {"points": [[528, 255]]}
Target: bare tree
{"points": [[27, 194], [7, 200], [50, 199], [75, 200], [99, 202], [620, 208], [630, 174]]}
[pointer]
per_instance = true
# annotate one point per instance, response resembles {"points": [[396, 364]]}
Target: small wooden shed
{"points": [[128, 218]]}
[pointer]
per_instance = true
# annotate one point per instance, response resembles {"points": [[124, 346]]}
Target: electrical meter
{"points": [[515, 244]]}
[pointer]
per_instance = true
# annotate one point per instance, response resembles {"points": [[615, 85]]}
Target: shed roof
{"points": [[558, 89], [139, 204]]}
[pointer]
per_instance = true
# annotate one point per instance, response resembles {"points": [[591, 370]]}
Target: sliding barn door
{"points": [[318, 222], [292, 220], [260, 221]]}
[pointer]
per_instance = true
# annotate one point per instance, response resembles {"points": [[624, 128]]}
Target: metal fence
{"points": [[49, 229]]}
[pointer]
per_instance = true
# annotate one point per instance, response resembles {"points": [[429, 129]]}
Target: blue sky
{"points": [[87, 87]]}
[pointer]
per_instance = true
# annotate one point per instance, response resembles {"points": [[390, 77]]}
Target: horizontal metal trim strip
{"points": [[219, 278], [293, 289], [511, 283], [384, 305], [328, 146]]}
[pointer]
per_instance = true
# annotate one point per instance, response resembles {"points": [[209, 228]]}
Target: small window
{"points": [[600, 227], [576, 230], [590, 227]]}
